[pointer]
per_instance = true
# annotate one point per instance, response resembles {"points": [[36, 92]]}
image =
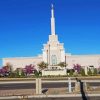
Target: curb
{"points": [[47, 96]]}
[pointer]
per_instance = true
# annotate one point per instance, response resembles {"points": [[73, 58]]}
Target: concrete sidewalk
{"points": [[47, 96]]}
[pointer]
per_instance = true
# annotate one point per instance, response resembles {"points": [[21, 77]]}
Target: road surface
{"points": [[32, 85]]}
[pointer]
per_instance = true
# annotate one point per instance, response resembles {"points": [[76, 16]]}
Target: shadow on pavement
{"points": [[84, 97]]}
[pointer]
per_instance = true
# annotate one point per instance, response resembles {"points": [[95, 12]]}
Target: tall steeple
{"points": [[53, 52], [52, 21]]}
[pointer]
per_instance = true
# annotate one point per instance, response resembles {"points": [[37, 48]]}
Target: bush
{"points": [[89, 72], [95, 71], [82, 72], [71, 72], [36, 73], [12, 75], [22, 74]]}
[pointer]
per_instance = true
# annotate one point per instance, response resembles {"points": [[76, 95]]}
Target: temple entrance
{"points": [[54, 60]]}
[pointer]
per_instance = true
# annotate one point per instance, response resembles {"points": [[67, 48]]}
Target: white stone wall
{"points": [[83, 60], [45, 56], [55, 72], [62, 56], [21, 62]]}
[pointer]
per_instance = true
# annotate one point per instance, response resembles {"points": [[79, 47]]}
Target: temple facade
{"points": [[54, 53]]}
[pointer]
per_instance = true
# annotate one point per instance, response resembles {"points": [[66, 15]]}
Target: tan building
{"points": [[54, 53]]}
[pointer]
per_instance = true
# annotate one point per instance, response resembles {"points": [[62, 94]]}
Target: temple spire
{"points": [[52, 20], [52, 12]]}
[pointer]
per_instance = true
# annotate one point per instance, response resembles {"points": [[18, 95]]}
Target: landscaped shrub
{"points": [[82, 72], [89, 72], [12, 75], [36, 73], [95, 71], [22, 74], [71, 72]]}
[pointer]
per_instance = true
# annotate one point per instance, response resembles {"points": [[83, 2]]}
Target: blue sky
{"points": [[25, 26]]}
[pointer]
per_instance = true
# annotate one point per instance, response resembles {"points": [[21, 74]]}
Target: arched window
{"points": [[54, 60]]}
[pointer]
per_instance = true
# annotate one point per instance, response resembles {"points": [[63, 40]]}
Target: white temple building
{"points": [[54, 53]]}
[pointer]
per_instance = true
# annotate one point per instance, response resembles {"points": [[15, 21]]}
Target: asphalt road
{"points": [[32, 85]]}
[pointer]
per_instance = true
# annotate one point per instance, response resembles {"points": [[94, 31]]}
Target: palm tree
{"points": [[42, 65]]}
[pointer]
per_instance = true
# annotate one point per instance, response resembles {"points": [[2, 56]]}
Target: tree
{"points": [[29, 69], [77, 67], [42, 65], [4, 71], [10, 67], [62, 64]]}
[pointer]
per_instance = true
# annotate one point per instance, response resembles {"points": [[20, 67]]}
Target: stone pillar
{"points": [[69, 85], [38, 86], [77, 87], [86, 70], [85, 86]]}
